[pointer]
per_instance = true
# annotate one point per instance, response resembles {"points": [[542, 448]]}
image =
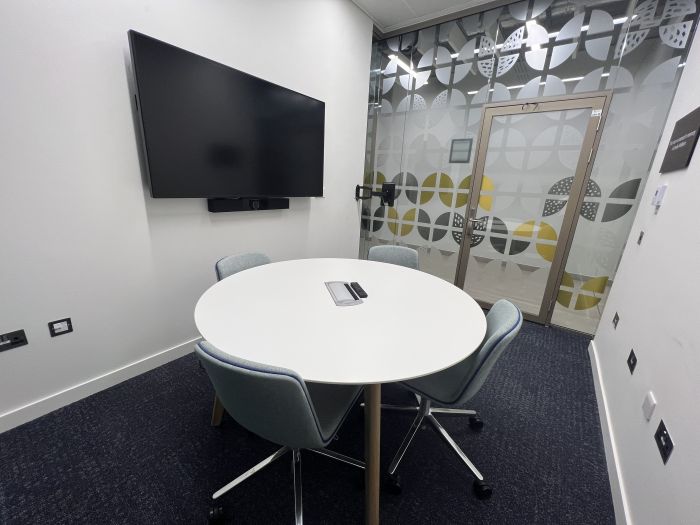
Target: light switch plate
{"points": [[649, 405]]}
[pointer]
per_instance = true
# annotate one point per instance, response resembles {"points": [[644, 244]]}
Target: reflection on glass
{"points": [[530, 165], [529, 49]]}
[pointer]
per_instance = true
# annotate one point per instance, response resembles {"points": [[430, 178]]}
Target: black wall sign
{"points": [[683, 140]]}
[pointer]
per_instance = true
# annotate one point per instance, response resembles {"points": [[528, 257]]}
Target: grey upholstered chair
{"points": [[277, 405], [457, 385], [401, 255], [231, 264], [225, 267]]}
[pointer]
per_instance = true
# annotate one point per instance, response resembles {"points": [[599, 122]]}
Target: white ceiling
{"points": [[391, 15]]}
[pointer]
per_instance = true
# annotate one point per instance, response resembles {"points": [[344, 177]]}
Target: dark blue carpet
{"points": [[143, 452]]}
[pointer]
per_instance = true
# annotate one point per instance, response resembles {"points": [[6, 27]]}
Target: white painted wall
{"points": [[656, 293], [79, 234]]}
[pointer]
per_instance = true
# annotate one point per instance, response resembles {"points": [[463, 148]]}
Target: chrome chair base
{"points": [[425, 412], [296, 473]]}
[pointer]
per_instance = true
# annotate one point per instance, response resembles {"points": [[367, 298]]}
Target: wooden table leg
{"points": [[217, 412], [373, 398]]}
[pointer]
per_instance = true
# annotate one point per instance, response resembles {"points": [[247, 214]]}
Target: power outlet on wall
{"points": [[12, 340], [663, 441], [60, 327], [632, 361]]}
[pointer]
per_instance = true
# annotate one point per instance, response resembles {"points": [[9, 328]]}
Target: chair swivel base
{"points": [[425, 412], [216, 513]]}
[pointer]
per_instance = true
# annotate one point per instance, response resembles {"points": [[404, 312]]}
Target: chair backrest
{"points": [[503, 323], [269, 401], [401, 255], [236, 263], [458, 383]]}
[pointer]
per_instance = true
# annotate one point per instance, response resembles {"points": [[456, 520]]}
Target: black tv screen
{"points": [[212, 131]]}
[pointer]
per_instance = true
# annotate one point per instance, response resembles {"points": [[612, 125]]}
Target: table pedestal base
{"points": [[373, 399]]}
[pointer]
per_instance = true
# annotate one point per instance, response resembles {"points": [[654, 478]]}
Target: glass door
{"points": [[531, 172]]}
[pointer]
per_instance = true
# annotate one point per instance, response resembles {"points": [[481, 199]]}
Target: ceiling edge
{"points": [[446, 15], [377, 25]]}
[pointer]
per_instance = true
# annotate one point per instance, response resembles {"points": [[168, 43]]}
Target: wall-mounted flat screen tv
{"points": [[212, 131]]}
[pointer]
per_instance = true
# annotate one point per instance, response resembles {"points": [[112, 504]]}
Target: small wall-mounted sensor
{"points": [[649, 405], [659, 195], [60, 327], [641, 236]]}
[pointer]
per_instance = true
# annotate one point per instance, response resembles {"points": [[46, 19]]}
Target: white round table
{"points": [[411, 324]]}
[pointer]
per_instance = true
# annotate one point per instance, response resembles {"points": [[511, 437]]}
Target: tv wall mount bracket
{"points": [[386, 195]]}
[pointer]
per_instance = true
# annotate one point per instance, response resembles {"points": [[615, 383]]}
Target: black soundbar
{"points": [[245, 204]]}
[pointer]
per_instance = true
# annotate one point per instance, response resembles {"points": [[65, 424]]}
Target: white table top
{"points": [[412, 324]]}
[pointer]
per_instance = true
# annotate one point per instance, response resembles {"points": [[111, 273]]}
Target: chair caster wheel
{"points": [[392, 483], [482, 490], [216, 514], [475, 423]]}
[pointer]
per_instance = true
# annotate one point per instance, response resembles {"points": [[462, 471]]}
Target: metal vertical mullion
{"points": [[409, 108], [474, 194], [478, 172], [378, 97]]}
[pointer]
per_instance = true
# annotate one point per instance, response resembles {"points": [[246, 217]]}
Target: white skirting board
{"points": [[40, 407], [617, 487]]}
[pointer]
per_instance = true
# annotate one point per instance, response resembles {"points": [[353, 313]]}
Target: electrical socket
{"points": [[632, 361], [663, 441], [60, 327], [12, 340]]}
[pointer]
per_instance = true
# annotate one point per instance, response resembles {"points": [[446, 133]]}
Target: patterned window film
{"points": [[427, 88]]}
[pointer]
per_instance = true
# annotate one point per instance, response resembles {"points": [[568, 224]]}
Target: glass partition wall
{"points": [[428, 89]]}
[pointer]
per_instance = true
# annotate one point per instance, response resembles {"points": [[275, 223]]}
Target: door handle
{"points": [[472, 222], [470, 225]]}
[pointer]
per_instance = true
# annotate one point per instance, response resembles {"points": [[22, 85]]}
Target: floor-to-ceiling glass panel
{"points": [[649, 57], [530, 166], [526, 49], [387, 110]]}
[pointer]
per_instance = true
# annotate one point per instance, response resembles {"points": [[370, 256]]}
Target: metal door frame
{"points": [[599, 103]]}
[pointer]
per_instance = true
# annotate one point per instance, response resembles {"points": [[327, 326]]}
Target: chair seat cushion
{"points": [[442, 387], [332, 404]]}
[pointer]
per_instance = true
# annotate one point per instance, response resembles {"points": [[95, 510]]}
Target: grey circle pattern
{"points": [[458, 222], [424, 231], [378, 214], [589, 210], [406, 180]]}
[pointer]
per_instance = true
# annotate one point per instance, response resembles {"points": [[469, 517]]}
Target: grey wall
{"points": [[79, 234]]}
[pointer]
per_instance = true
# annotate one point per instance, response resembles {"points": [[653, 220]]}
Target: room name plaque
{"points": [[682, 143]]}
